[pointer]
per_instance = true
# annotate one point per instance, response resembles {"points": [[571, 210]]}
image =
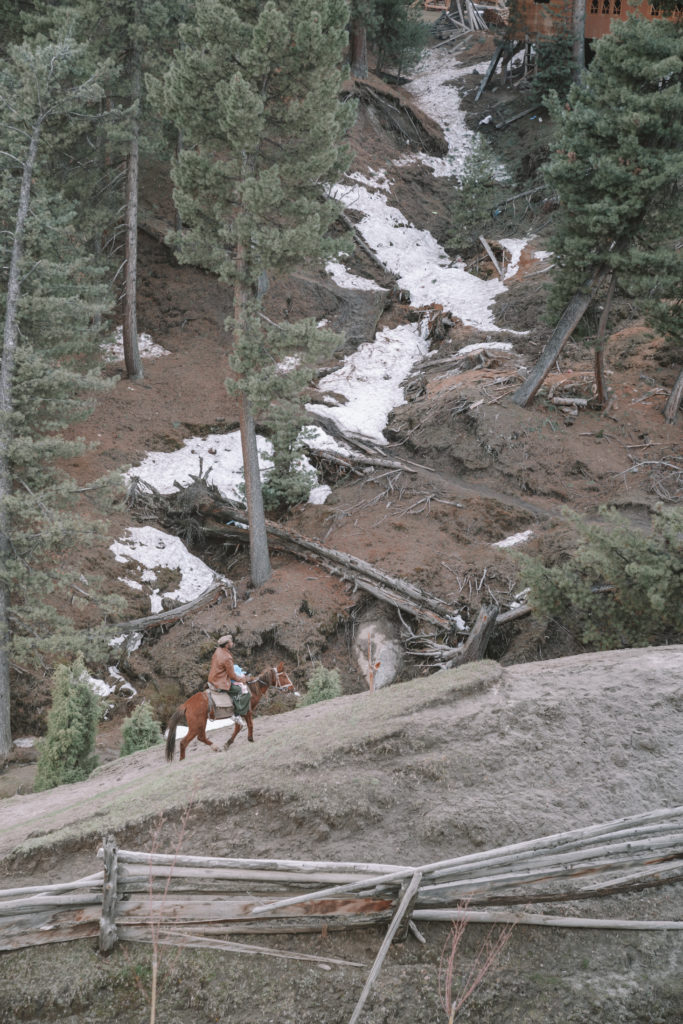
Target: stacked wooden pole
{"points": [[206, 900]]}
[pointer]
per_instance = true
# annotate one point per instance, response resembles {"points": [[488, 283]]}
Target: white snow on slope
{"points": [[156, 550], [370, 381]]}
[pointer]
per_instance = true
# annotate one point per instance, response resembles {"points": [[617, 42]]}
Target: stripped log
{"points": [[189, 861], [545, 920], [403, 907], [171, 936]]}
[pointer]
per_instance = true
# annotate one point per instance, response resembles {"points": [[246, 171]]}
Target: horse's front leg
{"points": [[250, 726], [234, 733]]}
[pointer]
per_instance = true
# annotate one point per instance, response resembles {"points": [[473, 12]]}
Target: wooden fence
{"points": [[204, 901]]}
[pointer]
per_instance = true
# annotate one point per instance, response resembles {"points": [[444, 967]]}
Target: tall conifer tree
{"points": [[129, 38], [50, 299], [254, 90], [617, 166]]}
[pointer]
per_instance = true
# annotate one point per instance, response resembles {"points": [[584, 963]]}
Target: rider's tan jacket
{"points": [[222, 669]]}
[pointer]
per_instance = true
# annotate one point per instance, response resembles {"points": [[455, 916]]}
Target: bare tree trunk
{"points": [[259, 559], [131, 351], [599, 362], [674, 400], [358, 58], [563, 331], [579, 38], [9, 348]]}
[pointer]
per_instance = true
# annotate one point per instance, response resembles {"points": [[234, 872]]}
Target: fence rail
{"points": [[207, 900]]}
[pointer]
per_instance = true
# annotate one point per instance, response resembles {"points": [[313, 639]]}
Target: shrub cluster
{"points": [[621, 587], [140, 731], [324, 684]]}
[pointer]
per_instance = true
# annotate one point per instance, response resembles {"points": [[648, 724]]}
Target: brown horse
{"points": [[195, 710]]}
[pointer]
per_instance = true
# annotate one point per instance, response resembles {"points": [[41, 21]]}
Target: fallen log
{"points": [[228, 521], [222, 586], [565, 326], [362, 244]]}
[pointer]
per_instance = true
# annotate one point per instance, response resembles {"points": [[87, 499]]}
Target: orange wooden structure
{"points": [[534, 18]]}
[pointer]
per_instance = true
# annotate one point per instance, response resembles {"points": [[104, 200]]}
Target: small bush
{"points": [[140, 731], [621, 587], [474, 200], [67, 752], [324, 684]]}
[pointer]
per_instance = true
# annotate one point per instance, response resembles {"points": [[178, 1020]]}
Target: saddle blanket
{"points": [[221, 699]]}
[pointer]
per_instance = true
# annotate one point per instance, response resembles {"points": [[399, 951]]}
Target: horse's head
{"points": [[282, 680]]}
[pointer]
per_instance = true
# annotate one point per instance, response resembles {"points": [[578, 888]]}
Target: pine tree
{"points": [[126, 39], [397, 34], [51, 303], [140, 731], [254, 92], [67, 752], [617, 165], [475, 198], [620, 587]]}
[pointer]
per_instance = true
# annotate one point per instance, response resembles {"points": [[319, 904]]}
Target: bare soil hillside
{"points": [[463, 761]]}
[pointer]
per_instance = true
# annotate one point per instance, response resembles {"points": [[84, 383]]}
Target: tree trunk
{"points": [[9, 348], [563, 331], [673, 403], [579, 39], [259, 559], [358, 58], [600, 383], [131, 351]]}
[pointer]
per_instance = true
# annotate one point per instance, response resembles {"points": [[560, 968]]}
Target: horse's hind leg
{"points": [[250, 727], [201, 735]]}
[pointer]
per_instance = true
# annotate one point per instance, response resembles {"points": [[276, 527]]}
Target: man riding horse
{"points": [[223, 676]]}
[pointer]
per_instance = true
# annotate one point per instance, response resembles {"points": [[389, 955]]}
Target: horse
{"points": [[195, 710]]}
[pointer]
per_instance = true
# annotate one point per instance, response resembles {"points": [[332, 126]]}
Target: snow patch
{"points": [[370, 380], [516, 538], [155, 549], [345, 279], [113, 350]]}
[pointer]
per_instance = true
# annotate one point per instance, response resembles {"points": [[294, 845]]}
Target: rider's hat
{"points": [[224, 639]]}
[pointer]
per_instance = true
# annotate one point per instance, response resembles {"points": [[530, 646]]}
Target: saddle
{"points": [[232, 700]]}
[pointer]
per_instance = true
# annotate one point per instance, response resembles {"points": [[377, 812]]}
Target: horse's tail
{"points": [[177, 715]]}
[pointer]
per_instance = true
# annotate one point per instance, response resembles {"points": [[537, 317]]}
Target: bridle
{"points": [[288, 688]]}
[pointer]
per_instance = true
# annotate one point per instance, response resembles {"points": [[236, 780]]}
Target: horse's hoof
{"points": [[250, 738], [216, 748]]}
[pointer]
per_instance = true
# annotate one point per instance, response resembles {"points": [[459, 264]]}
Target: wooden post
{"points": [[475, 646], [109, 895], [407, 901]]}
